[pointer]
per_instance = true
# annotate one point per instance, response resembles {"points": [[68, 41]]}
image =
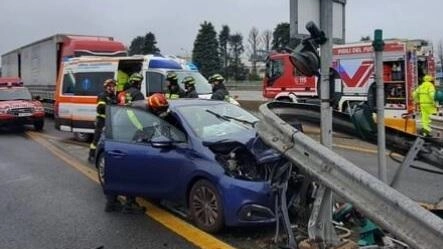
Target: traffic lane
{"points": [[418, 185], [46, 204]]}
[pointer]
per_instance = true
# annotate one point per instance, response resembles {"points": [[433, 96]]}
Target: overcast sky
{"points": [[175, 23]]}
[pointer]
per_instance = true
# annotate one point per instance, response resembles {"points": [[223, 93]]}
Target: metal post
{"points": [[320, 226], [378, 45]]}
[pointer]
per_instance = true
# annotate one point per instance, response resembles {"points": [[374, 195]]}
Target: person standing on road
{"points": [[158, 105], [132, 93], [189, 83], [424, 95], [219, 91], [105, 98], [173, 91]]}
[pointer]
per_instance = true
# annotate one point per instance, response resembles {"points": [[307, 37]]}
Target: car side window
{"points": [[135, 125]]}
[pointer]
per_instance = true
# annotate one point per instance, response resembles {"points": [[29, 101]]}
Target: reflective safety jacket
{"points": [[175, 94], [425, 94], [122, 80], [103, 100]]}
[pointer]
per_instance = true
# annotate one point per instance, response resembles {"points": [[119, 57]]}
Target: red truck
{"points": [[17, 106], [404, 64]]}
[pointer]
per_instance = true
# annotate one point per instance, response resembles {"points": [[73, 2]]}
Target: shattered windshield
{"points": [[217, 121]]}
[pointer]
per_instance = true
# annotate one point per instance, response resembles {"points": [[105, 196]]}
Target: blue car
{"points": [[204, 155]]}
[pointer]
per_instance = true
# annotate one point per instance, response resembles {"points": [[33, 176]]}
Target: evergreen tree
{"points": [[144, 45], [223, 39], [281, 36], [237, 68], [205, 53], [137, 45], [149, 44]]}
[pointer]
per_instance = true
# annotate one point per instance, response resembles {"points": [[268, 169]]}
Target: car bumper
{"points": [[247, 202], [10, 120]]}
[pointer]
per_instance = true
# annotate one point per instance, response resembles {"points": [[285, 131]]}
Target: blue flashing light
{"points": [[167, 64], [192, 66]]}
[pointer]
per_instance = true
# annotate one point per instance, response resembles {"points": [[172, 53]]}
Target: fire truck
{"points": [[405, 62]]}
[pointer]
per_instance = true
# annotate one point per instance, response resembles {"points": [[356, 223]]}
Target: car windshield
{"points": [[216, 121], [14, 93], [201, 84]]}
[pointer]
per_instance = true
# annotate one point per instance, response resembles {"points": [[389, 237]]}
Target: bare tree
{"points": [[266, 38], [254, 44]]}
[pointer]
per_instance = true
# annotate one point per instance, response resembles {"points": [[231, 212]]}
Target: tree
{"points": [[144, 45], [205, 52], [365, 38], [266, 38], [254, 44], [281, 36], [149, 43], [223, 39], [137, 45], [236, 49]]}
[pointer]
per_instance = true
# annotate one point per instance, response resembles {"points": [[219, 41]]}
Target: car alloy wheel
{"points": [[101, 169], [206, 207]]}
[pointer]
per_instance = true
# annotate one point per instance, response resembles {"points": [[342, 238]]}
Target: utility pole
{"points": [[378, 45], [320, 227]]}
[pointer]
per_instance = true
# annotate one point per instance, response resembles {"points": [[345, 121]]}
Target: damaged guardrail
{"points": [[384, 205]]}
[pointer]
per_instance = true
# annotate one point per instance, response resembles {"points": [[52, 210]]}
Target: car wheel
{"points": [[205, 206], [82, 137], [100, 164], [38, 124]]}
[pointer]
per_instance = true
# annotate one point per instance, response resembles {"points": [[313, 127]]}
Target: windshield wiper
{"points": [[229, 118], [219, 116], [240, 120]]}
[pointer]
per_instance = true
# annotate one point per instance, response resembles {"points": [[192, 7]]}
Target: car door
{"points": [[143, 157]]}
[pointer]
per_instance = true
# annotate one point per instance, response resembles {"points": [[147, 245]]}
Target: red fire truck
{"points": [[404, 64]]}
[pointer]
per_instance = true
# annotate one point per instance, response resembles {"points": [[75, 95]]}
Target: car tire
{"points": [[205, 207], [82, 137], [100, 164], [38, 124]]}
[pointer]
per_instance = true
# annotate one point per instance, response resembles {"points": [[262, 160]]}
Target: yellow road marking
{"points": [[180, 227]]}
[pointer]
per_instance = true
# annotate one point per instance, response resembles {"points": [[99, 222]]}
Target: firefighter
{"points": [[105, 98], [189, 83], [174, 91], [424, 95], [219, 91], [132, 93]]}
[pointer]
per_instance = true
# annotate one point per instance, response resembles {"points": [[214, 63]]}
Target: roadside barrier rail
{"points": [[386, 206]]}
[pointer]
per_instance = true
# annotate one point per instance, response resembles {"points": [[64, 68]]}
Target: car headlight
{"points": [[3, 110]]}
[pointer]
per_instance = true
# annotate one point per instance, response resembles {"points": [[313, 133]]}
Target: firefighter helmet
{"points": [[188, 80], [216, 77], [158, 102], [136, 77], [171, 76], [109, 82]]}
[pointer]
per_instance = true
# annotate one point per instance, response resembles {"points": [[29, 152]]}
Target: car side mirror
{"points": [[161, 142]]}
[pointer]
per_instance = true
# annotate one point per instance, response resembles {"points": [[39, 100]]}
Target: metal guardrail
{"points": [[384, 205]]}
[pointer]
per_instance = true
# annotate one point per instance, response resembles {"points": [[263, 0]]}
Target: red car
{"points": [[17, 106]]}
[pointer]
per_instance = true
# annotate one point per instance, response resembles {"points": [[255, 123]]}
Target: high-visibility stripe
{"points": [[101, 115], [134, 120], [101, 103], [92, 146]]}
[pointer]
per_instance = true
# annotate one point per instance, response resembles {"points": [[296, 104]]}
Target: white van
{"points": [[82, 78]]}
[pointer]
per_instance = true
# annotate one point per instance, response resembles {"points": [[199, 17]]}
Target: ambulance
{"points": [[82, 78]]}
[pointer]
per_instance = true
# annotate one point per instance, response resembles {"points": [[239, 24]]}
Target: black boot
{"points": [[112, 204], [132, 207], [91, 157]]}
